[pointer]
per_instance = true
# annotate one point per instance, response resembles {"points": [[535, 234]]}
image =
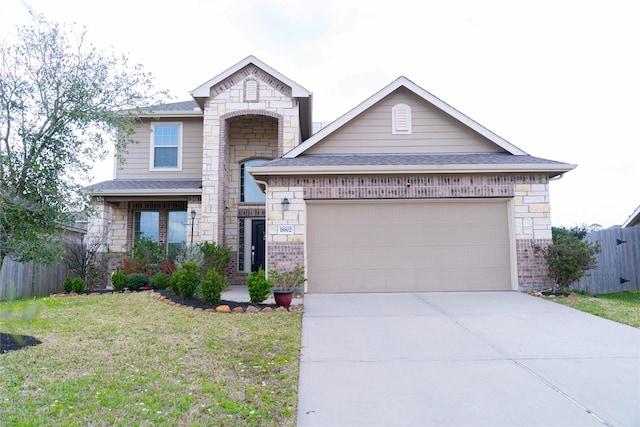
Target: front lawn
{"points": [[128, 359], [623, 307]]}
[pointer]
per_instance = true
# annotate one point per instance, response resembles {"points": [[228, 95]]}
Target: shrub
{"points": [[186, 279], [211, 288], [119, 280], [161, 281], [215, 256], [259, 286], [287, 281], [568, 258], [147, 256], [77, 285], [67, 284], [136, 280]]}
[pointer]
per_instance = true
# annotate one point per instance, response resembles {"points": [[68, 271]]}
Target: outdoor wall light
{"points": [[285, 204]]}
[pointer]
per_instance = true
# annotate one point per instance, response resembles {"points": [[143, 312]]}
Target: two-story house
{"points": [[402, 193]]}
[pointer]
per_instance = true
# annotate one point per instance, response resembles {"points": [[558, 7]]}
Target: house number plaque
{"points": [[285, 229]]}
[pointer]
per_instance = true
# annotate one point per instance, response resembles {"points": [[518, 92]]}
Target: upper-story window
{"points": [[249, 190], [401, 119], [166, 146]]}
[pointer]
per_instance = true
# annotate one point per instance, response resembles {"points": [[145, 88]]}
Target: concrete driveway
{"points": [[464, 359]]}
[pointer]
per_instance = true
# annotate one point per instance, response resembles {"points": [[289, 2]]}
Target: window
{"points": [[249, 190], [146, 224], [401, 119], [166, 146], [176, 233]]}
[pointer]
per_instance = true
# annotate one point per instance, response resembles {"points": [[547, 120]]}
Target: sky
{"points": [[559, 79]]}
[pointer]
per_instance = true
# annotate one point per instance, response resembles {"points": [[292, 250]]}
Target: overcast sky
{"points": [[558, 79]]}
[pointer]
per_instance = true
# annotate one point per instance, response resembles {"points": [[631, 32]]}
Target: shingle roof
{"points": [[182, 106], [139, 186], [410, 160]]}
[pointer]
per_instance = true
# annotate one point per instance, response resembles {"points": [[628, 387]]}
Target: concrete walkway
{"points": [[463, 359]]}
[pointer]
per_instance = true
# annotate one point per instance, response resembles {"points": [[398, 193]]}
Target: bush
{"points": [[161, 281], [119, 280], [215, 256], [186, 279], [146, 257], [568, 258], [77, 285], [287, 281], [259, 286], [136, 280], [67, 284], [211, 288]]}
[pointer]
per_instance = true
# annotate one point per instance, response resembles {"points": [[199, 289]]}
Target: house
{"points": [[633, 220], [402, 193]]}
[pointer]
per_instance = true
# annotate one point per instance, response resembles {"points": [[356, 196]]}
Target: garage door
{"points": [[408, 246]]}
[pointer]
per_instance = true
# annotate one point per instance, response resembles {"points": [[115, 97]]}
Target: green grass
{"points": [[623, 307], [128, 359]]}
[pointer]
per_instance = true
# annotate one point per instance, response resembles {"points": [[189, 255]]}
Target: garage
{"points": [[409, 245]]}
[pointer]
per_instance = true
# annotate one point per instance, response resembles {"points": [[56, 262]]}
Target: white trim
{"points": [[204, 90], [632, 218], [178, 167], [147, 191], [404, 82]]}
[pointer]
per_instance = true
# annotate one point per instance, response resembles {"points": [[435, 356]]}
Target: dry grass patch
{"points": [[623, 307], [127, 359]]}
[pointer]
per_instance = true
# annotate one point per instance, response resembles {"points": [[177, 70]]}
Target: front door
{"points": [[257, 244]]}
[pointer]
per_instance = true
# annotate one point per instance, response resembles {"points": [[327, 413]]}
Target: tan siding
{"points": [[433, 132], [137, 164]]}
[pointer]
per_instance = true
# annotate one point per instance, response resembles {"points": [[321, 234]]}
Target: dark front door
{"points": [[257, 244]]}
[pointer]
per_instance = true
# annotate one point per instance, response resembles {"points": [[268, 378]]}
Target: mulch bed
{"points": [[198, 303], [9, 343]]}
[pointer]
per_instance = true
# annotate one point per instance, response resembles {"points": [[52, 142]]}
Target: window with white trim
{"points": [[166, 146], [401, 119]]}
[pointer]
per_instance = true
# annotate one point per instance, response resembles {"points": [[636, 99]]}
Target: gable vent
{"points": [[251, 90], [401, 120]]}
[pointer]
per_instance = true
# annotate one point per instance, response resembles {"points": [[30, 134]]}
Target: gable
{"points": [[432, 131]]}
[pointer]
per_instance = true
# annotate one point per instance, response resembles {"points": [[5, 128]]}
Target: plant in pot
{"points": [[285, 283]]}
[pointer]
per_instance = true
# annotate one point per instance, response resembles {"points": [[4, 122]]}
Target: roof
{"points": [[204, 90], [410, 163], [404, 82], [304, 96], [633, 220], [182, 108], [138, 187]]}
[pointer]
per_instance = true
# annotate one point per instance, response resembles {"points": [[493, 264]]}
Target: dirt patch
{"points": [[10, 342]]}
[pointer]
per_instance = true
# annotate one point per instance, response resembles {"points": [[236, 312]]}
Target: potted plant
{"points": [[285, 283]]}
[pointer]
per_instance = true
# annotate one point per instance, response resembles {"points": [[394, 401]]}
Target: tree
{"points": [[569, 257], [61, 100]]}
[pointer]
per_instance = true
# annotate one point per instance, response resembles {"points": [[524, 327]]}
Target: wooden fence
{"points": [[19, 280], [618, 267]]}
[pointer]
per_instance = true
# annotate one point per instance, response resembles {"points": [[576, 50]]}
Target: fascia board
{"points": [[634, 218], [437, 102], [204, 90], [346, 170], [146, 192]]}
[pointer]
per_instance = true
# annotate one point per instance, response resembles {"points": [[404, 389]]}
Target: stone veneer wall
{"points": [[228, 100], [530, 193]]}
